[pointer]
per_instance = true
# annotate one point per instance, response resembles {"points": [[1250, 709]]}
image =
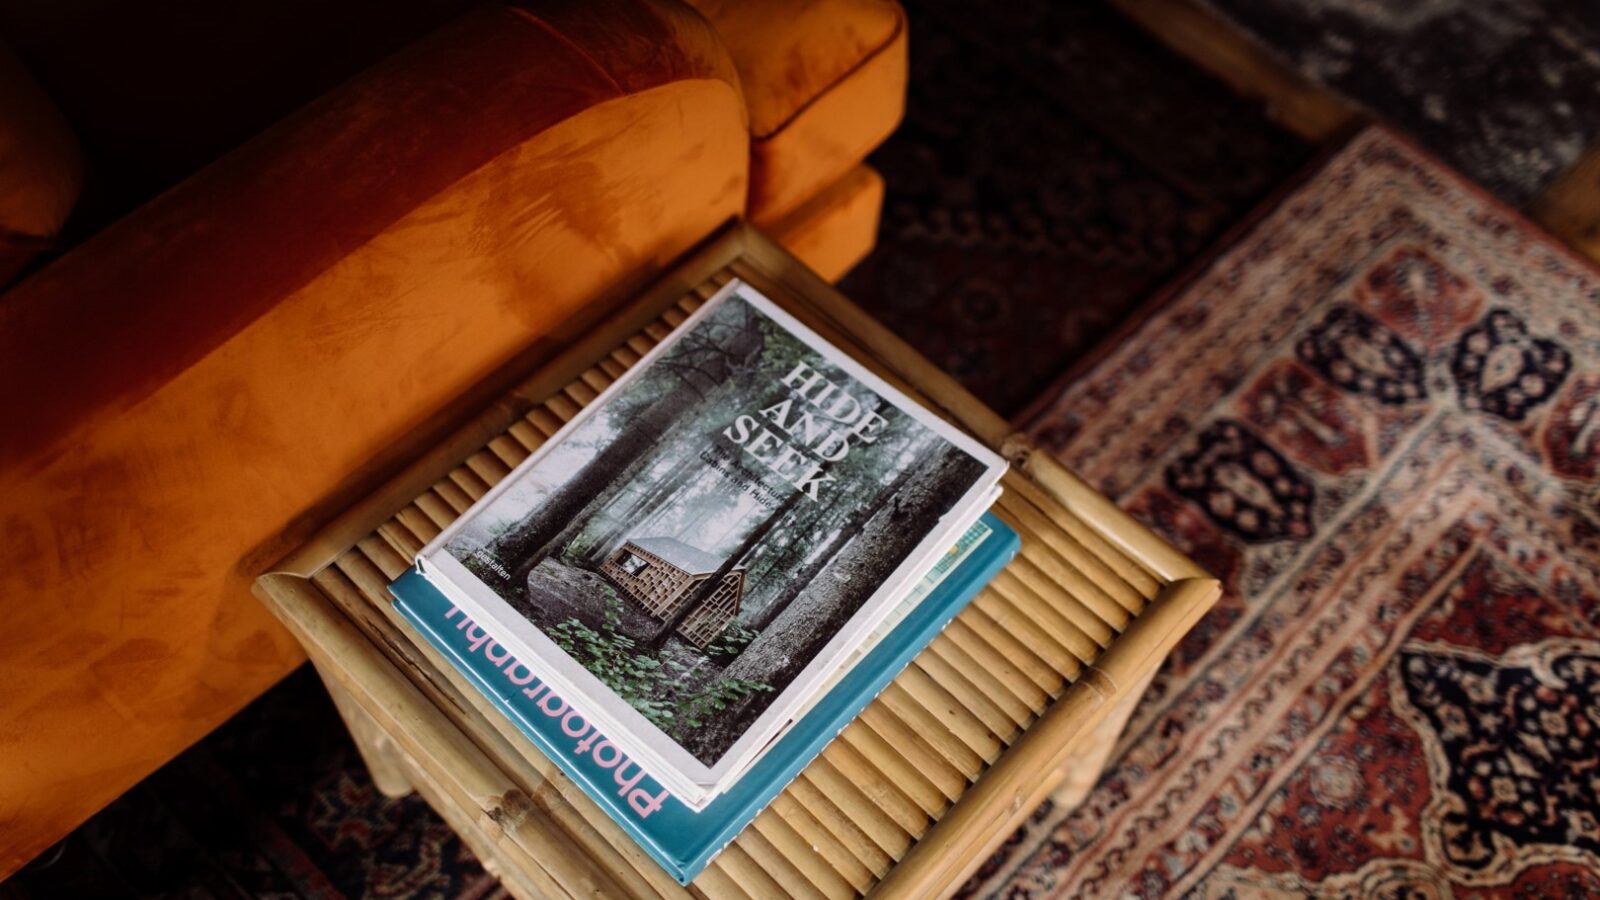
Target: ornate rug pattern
{"points": [[1376, 416], [1507, 91]]}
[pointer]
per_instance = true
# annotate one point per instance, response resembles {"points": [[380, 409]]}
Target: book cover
{"points": [[705, 543], [681, 839]]}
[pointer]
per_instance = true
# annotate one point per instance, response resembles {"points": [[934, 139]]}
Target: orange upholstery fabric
{"points": [[158, 89], [188, 392], [832, 231], [825, 83], [40, 169]]}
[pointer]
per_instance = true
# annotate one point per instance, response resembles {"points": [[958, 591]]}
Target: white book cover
{"points": [[708, 542]]}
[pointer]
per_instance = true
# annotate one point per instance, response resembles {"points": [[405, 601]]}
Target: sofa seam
{"points": [[572, 45], [866, 59]]}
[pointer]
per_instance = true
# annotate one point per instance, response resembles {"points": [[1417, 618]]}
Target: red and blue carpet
{"points": [[1376, 415]]}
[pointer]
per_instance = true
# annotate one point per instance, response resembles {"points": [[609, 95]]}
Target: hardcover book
{"points": [[693, 555], [683, 840]]}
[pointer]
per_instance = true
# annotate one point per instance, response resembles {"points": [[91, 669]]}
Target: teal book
{"points": [[683, 840]]}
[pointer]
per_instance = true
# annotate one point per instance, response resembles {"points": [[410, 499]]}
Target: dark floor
{"points": [[1505, 91], [1055, 167], [275, 803]]}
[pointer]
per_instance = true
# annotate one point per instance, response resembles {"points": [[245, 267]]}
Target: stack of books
{"points": [[711, 570]]}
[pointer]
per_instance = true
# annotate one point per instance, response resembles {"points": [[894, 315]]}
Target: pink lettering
{"points": [[477, 637], [489, 654], [566, 724], [551, 700], [616, 754], [644, 804], [627, 783]]}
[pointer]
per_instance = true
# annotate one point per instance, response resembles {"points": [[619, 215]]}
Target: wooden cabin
{"points": [[661, 574]]}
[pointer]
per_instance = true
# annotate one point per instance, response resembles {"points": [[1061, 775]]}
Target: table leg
{"points": [[1094, 750], [375, 747]]}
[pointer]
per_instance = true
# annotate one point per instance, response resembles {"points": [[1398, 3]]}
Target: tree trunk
{"points": [[644, 507], [526, 544], [847, 532], [858, 473], [778, 654], [856, 570]]}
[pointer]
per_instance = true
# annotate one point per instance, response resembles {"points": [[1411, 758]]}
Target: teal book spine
{"points": [[682, 840]]}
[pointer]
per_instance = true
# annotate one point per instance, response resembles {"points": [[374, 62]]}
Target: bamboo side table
{"points": [[1024, 693]]}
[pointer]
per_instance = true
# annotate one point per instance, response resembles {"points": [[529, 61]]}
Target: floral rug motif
{"points": [[1376, 416]]}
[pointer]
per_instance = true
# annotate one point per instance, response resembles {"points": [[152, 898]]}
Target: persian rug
{"points": [[1054, 168], [1507, 91], [1376, 416]]}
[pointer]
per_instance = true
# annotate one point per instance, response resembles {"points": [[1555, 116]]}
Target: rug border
{"points": [[1037, 408]]}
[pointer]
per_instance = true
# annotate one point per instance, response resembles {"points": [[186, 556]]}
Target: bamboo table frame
{"points": [[1024, 694]]}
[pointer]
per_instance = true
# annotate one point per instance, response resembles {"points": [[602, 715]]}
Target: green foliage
{"points": [[731, 642], [673, 688], [572, 553], [715, 697]]}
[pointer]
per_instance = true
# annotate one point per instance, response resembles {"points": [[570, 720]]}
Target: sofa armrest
{"points": [[825, 83], [185, 393], [159, 289]]}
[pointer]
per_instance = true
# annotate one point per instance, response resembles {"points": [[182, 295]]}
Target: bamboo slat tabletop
{"points": [[1011, 698]]}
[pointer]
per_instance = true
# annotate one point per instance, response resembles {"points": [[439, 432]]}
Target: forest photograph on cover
{"points": [[697, 541]]}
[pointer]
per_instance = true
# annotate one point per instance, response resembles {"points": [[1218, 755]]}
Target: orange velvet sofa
{"points": [[306, 237]]}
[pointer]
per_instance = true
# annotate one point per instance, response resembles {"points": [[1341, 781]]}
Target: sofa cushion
{"points": [[825, 83], [200, 384], [40, 169], [835, 229]]}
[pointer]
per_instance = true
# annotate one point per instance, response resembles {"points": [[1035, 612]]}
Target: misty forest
{"points": [[739, 452]]}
